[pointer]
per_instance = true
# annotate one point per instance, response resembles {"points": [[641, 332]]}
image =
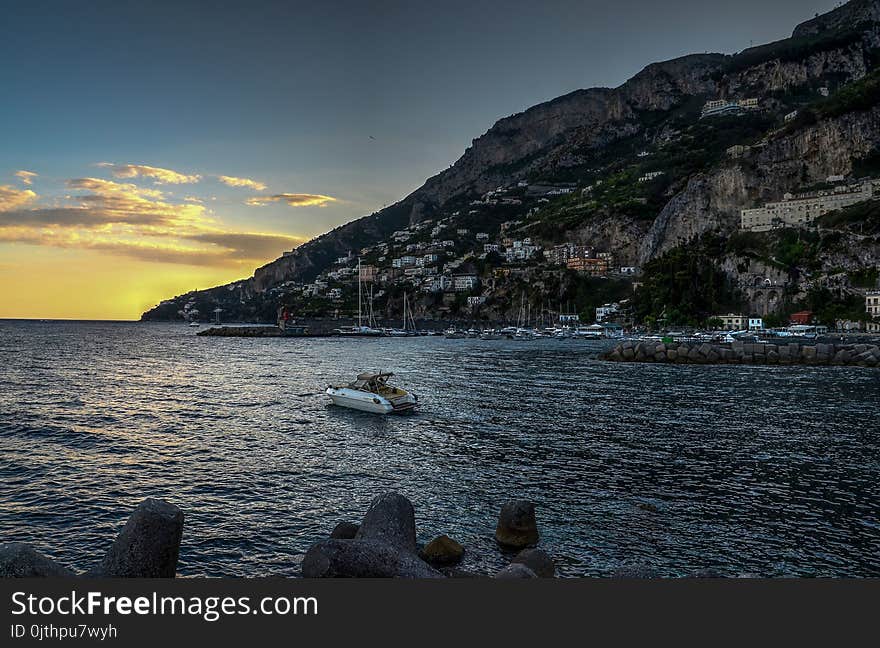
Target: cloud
{"points": [[134, 222], [232, 181], [12, 198], [26, 176], [292, 199], [250, 245], [160, 175]]}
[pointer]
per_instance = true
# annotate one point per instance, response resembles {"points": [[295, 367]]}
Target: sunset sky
{"points": [[149, 148]]}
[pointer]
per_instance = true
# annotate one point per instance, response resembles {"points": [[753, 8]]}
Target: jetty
{"points": [[759, 353]]}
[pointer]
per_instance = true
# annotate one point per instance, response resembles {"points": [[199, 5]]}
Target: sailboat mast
{"points": [[359, 292]]}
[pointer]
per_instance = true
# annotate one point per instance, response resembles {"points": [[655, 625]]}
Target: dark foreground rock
{"points": [[517, 527], [390, 520], [148, 545], [363, 559], [344, 531], [384, 546], [538, 560], [442, 550], [20, 560], [516, 570]]}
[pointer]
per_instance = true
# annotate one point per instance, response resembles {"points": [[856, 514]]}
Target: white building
{"points": [[726, 107], [482, 236], [604, 311], [733, 322], [436, 284], [650, 176], [802, 209], [872, 303], [478, 300], [521, 251], [463, 283], [756, 324], [403, 262]]}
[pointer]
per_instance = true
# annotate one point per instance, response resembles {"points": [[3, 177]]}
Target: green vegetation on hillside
{"points": [[863, 219], [685, 286]]}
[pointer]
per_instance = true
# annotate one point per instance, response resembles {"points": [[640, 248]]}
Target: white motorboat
{"points": [[194, 324], [370, 392]]}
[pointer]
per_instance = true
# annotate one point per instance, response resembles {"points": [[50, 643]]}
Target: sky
{"points": [[152, 148]]}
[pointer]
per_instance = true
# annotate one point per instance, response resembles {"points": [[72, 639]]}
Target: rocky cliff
{"points": [[586, 135]]}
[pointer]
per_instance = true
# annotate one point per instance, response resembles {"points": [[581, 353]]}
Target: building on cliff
{"points": [[802, 209], [725, 107], [872, 303]]}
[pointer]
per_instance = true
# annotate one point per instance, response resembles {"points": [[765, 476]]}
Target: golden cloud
{"points": [[26, 176], [12, 198], [292, 199], [232, 181], [160, 175], [124, 219]]}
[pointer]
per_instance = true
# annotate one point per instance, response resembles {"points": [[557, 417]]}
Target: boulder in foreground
{"points": [[516, 570], [517, 527], [443, 550], [538, 560], [148, 545], [20, 560], [363, 559]]}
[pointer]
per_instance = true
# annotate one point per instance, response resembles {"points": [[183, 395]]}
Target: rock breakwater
{"points": [[758, 353]]}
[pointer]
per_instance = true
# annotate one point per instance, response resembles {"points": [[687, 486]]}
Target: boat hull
{"points": [[368, 402]]}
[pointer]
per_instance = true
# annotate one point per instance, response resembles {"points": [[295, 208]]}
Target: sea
{"points": [[732, 470]]}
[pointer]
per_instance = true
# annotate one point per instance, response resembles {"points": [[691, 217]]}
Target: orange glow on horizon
{"points": [[39, 283]]}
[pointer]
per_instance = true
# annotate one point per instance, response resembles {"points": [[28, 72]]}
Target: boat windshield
{"points": [[372, 382]]}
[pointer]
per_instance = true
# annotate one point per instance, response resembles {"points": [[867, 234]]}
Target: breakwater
{"points": [[859, 355], [242, 331]]}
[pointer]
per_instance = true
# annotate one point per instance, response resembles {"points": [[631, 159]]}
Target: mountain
{"points": [[596, 144]]}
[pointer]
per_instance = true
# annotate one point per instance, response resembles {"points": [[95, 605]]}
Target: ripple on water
{"points": [[764, 470]]}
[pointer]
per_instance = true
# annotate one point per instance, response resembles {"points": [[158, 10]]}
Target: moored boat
{"points": [[370, 392]]}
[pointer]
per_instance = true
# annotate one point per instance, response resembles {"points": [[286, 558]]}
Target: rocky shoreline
{"points": [[382, 545], [841, 355]]}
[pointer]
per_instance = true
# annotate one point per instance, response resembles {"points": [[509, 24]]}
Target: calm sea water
{"points": [[745, 470]]}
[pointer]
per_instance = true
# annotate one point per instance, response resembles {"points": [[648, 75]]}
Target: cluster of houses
{"points": [[436, 256], [586, 259]]}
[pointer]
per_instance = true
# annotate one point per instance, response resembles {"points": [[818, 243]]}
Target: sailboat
{"points": [[368, 330], [407, 320]]}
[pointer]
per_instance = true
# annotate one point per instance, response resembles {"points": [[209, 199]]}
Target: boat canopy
{"points": [[374, 376]]}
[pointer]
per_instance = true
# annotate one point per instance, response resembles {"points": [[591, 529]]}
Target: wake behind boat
{"points": [[370, 392]]}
